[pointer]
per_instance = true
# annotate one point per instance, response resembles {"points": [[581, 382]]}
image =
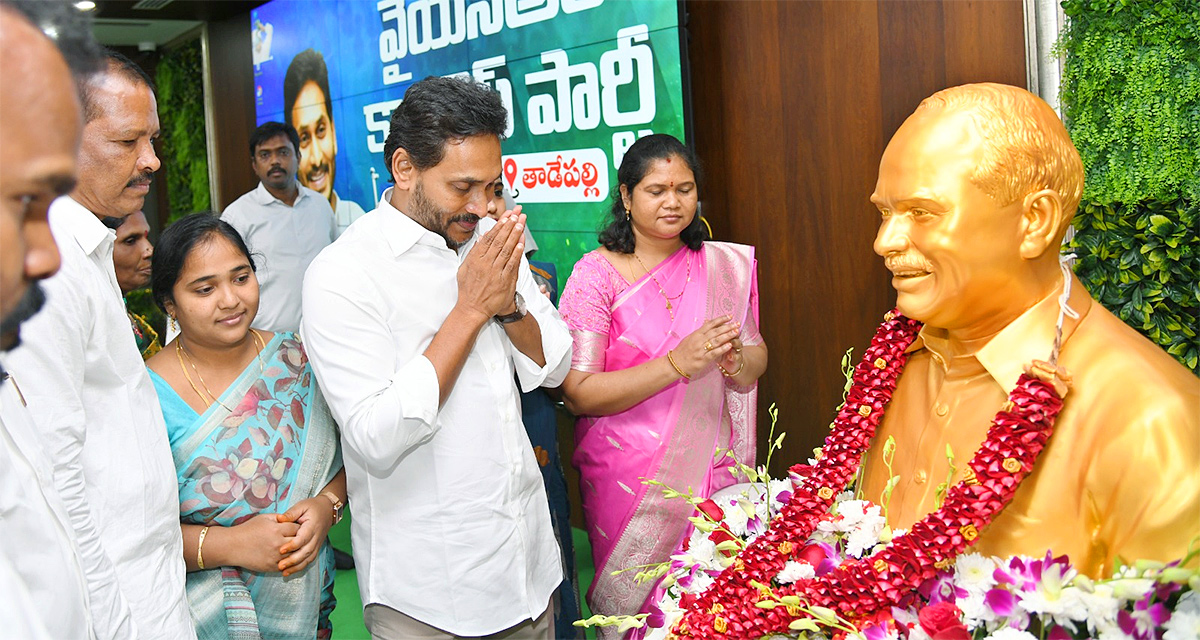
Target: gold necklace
{"points": [[670, 307], [181, 351]]}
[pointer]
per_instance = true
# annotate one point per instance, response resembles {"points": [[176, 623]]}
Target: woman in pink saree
{"points": [[666, 366]]}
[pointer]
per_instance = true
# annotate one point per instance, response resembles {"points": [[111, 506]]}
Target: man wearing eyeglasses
{"points": [[286, 223]]}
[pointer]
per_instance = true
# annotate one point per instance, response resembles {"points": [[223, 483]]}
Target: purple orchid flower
{"points": [[656, 619], [877, 631], [1047, 564], [941, 588], [1145, 619], [1001, 602], [832, 560], [1059, 633]]}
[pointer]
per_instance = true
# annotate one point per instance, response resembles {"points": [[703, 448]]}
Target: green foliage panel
{"points": [[1131, 96], [1141, 261], [180, 80], [1131, 101]]}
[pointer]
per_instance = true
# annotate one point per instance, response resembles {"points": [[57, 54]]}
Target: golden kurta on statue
{"points": [[976, 191]]}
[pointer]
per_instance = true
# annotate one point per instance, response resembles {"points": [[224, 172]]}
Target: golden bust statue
{"points": [[976, 191]]}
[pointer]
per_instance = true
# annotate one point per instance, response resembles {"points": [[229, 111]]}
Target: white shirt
{"points": [[16, 605], [451, 524], [283, 240], [36, 538], [101, 426], [345, 214]]}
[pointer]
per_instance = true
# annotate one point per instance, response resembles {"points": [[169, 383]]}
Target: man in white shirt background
{"points": [[41, 575], [415, 322], [283, 221], [87, 390]]}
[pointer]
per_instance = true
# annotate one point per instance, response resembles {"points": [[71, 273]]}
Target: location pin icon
{"points": [[510, 171]]}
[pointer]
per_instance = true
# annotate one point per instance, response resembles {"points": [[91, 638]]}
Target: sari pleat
{"points": [[278, 445]]}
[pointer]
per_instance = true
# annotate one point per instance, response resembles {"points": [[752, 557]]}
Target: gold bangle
{"points": [[200, 548], [730, 375], [676, 367]]}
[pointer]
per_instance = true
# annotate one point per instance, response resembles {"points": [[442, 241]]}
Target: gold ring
{"points": [[708, 346]]}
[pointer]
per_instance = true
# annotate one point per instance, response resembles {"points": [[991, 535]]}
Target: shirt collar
{"points": [[264, 197], [1030, 337], [401, 231], [86, 228]]}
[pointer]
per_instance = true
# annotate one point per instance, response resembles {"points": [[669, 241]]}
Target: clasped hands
{"points": [[715, 342], [487, 278], [286, 542]]}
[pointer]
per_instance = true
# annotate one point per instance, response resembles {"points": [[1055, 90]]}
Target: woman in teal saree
{"points": [[260, 473]]}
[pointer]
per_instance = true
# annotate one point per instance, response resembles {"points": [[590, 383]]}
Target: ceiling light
{"points": [[85, 5]]}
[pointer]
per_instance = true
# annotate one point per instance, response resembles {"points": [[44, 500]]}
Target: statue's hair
{"points": [[1026, 146]]}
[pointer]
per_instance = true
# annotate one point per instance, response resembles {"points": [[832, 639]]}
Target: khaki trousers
{"points": [[385, 623]]}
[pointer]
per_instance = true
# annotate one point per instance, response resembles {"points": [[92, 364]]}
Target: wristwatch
{"points": [[516, 315], [338, 506]]}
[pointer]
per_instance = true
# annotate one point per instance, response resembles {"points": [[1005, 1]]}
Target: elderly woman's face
{"points": [[132, 253], [663, 204]]}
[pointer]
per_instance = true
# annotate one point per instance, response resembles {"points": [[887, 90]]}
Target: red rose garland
{"points": [[859, 589]]}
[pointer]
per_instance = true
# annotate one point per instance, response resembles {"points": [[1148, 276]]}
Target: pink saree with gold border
{"points": [[675, 436]]}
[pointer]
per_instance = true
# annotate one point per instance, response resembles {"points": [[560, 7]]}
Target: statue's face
{"points": [[953, 251]]}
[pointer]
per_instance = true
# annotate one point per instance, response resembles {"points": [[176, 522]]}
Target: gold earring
{"points": [[628, 215], [174, 324]]}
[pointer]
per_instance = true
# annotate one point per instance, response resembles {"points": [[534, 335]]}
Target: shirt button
{"points": [[921, 477], [941, 409]]}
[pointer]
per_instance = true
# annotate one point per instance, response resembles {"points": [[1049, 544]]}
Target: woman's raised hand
{"points": [[733, 361], [704, 346]]}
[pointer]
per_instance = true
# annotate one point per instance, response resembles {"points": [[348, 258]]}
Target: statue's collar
{"points": [[1030, 337]]}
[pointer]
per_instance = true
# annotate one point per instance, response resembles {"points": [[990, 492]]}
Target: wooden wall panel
{"points": [[232, 105], [793, 103]]}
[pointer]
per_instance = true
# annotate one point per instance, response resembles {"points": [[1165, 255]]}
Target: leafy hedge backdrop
{"points": [[1131, 101], [180, 80]]}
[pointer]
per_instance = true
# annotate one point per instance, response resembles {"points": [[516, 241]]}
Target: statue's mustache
{"points": [[907, 263]]}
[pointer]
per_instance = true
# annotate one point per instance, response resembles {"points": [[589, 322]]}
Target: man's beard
{"points": [[10, 325], [431, 217]]}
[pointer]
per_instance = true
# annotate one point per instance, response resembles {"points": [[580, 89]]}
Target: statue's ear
{"points": [[1043, 222]]}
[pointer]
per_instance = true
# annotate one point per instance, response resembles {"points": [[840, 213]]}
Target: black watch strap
{"points": [[516, 315]]}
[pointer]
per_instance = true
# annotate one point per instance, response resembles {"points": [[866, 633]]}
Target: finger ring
{"points": [[708, 346]]}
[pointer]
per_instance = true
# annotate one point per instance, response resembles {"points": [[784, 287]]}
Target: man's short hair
{"points": [[116, 63], [268, 130], [68, 27], [436, 110], [1026, 147], [307, 66]]}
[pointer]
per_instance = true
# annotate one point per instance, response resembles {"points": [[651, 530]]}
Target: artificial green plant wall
{"points": [[1131, 101], [181, 112]]}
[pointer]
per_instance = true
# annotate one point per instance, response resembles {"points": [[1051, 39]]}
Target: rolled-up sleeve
{"points": [[383, 410], [556, 339]]}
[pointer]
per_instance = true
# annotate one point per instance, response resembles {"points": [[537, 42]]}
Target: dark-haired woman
{"points": [[260, 479], [665, 370]]}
